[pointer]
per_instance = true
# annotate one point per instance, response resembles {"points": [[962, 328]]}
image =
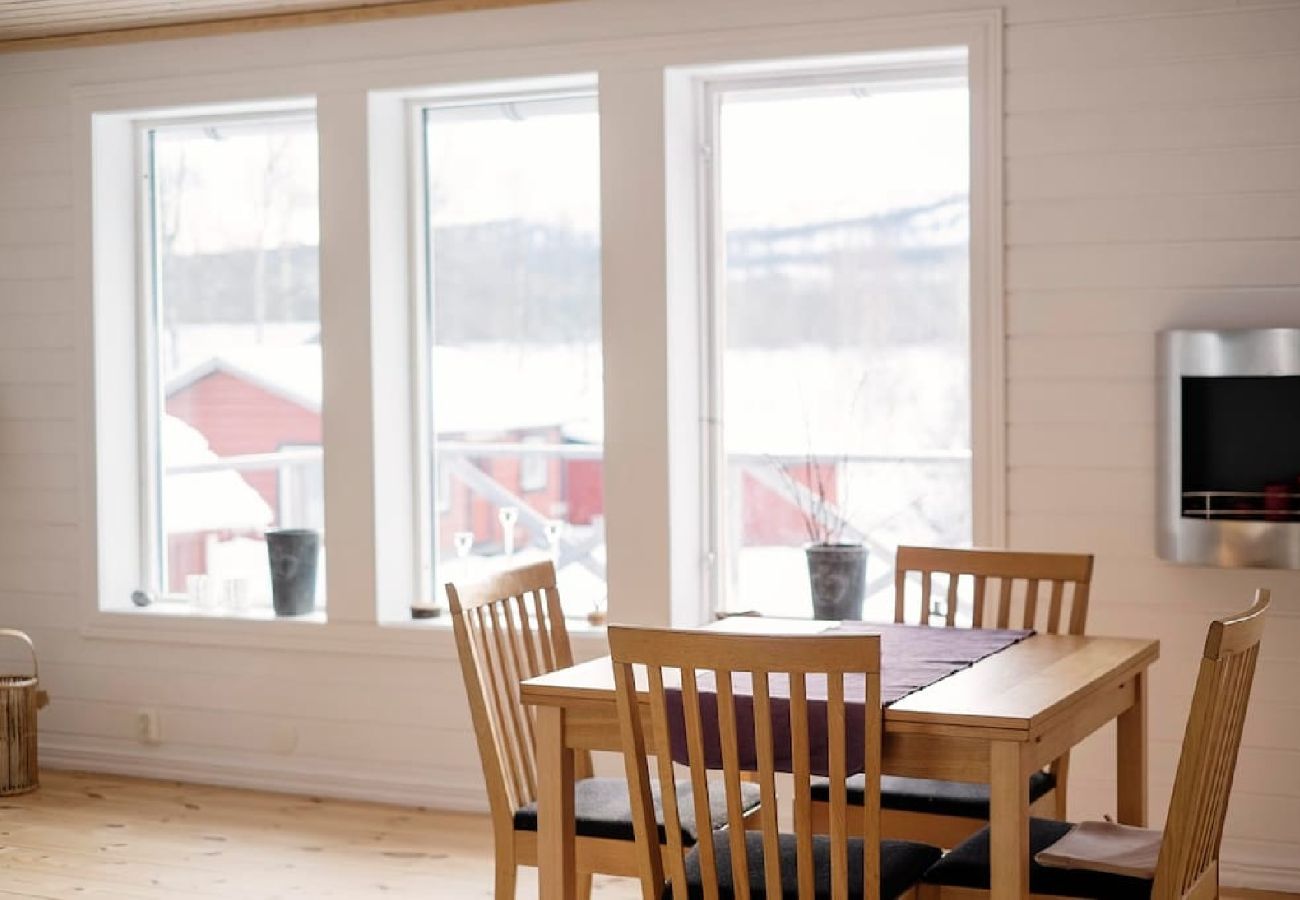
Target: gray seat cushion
{"points": [[902, 864], [967, 865], [924, 795], [603, 809]]}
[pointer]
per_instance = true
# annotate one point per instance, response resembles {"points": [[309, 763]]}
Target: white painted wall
{"points": [[1152, 180]]}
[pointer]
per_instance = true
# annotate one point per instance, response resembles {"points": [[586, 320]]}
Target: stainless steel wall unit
{"points": [[1221, 414]]}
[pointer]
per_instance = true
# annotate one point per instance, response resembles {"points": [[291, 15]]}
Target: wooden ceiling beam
{"points": [[250, 22]]}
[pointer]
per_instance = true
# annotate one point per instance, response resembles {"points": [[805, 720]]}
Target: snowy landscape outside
{"points": [[847, 335]]}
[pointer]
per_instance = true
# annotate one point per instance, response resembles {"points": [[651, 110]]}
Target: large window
{"points": [[231, 366], [514, 386], [840, 321]]}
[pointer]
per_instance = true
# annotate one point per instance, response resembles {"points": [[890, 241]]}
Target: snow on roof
{"points": [[480, 388], [205, 501], [293, 373], [789, 400]]}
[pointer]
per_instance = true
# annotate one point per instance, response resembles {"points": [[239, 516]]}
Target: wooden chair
{"points": [[1011, 589], [735, 862], [510, 628], [1188, 864]]}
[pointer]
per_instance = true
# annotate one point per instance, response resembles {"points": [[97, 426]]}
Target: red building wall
{"points": [[586, 489], [467, 511], [238, 417], [772, 520]]}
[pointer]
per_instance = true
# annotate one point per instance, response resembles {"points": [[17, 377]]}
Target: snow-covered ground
{"points": [[791, 401]]}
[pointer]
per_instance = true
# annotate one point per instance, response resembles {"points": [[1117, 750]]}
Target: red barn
{"points": [[267, 399], [253, 402]]}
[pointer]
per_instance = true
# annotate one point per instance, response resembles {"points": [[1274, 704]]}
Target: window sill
{"points": [[263, 631], [574, 625], [428, 639], [172, 610]]}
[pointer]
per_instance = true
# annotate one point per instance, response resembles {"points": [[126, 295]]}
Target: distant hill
{"points": [[898, 277]]}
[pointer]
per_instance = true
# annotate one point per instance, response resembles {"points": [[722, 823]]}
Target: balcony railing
{"points": [[584, 547]]}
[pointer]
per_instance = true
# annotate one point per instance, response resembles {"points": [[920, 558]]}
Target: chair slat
{"points": [[731, 782], [520, 603], [802, 765], [497, 692], [544, 633], [950, 602], [1031, 603], [513, 672], [767, 785], [900, 594], [520, 721], [838, 769], [555, 619], [872, 765], [699, 783], [925, 598], [977, 609], [1079, 606], [1054, 607], [1209, 763], [667, 783], [638, 781], [1004, 603]]}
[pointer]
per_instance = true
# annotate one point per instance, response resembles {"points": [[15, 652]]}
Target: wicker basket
{"points": [[19, 700]]}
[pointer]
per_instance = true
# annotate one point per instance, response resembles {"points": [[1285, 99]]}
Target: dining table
{"points": [[996, 721]]}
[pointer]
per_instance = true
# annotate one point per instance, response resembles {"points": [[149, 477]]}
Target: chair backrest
{"points": [[1044, 591], [774, 666], [1189, 853], [508, 628]]}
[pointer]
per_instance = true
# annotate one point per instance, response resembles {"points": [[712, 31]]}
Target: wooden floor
{"points": [[100, 836]]}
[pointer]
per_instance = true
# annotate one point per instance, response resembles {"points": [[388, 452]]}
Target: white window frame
{"points": [[153, 534], [910, 69], [129, 401], [427, 475], [442, 499], [649, 317]]}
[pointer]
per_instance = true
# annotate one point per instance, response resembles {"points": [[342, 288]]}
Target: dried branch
{"points": [[817, 508]]}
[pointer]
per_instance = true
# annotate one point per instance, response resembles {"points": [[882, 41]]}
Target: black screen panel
{"points": [[1241, 434]]}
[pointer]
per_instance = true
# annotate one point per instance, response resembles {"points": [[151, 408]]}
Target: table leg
{"points": [[556, 870], [1008, 822], [1131, 757]]}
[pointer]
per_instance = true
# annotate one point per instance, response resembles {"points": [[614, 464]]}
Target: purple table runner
{"points": [[911, 657]]}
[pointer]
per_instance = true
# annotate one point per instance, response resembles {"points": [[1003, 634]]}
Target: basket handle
{"points": [[31, 648]]}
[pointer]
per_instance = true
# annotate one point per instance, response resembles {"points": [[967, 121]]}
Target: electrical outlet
{"points": [[148, 729]]}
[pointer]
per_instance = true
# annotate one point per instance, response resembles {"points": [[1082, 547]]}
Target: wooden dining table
{"points": [[994, 722]]}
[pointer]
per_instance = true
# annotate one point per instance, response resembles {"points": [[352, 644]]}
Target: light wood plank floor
{"points": [[101, 836]]}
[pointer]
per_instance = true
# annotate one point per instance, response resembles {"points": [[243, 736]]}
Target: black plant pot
{"points": [[293, 553], [837, 574]]}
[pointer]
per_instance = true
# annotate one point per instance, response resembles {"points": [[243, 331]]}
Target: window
{"points": [[514, 373], [231, 372], [839, 320]]}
